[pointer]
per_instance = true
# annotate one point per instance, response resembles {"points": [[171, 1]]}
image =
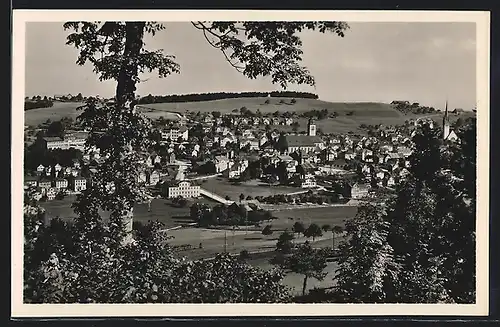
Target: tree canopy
{"points": [[102, 263], [420, 246]]}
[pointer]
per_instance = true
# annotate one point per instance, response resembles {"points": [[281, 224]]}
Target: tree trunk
{"points": [[125, 90], [127, 79], [304, 285]]}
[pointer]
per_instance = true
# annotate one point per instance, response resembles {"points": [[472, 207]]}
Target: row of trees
{"points": [[196, 97], [35, 155], [315, 113], [414, 108], [420, 246], [38, 103], [309, 197], [232, 215]]}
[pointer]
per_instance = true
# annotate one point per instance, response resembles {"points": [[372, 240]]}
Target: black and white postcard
{"points": [[243, 163]]}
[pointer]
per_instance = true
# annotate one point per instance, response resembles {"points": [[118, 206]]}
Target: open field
{"points": [[301, 105], [161, 210], [59, 110], [252, 239], [215, 241], [321, 216], [294, 281], [363, 112], [222, 187]]}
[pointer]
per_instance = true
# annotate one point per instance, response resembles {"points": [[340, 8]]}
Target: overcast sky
{"points": [[418, 62]]}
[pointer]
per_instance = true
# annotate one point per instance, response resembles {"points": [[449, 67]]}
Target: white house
{"points": [[142, 177], [359, 191], [79, 184], [40, 169], [366, 153], [222, 163], [154, 177], [174, 133], [61, 183], [44, 185], [51, 193], [183, 189], [308, 181]]}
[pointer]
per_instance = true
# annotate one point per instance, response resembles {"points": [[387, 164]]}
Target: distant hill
{"points": [[350, 114], [361, 109], [280, 104], [56, 112]]}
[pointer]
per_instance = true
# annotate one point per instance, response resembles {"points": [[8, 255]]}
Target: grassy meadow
{"points": [[224, 188], [363, 112]]}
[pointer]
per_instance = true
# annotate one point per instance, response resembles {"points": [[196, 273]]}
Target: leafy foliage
{"points": [[266, 48], [298, 227], [194, 97], [313, 231], [307, 261], [367, 268], [267, 230], [285, 244], [97, 261], [225, 279], [419, 247]]}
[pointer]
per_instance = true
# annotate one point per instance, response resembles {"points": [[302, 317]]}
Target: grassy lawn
{"points": [[363, 109], [301, 105], [211, 246], [161, 210], [321, 216], [37, 116], [363, 112], [222, 187], [294, 281]]}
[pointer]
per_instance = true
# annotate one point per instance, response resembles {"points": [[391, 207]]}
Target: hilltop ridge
{"points": [[350, 115], [364, 109]]}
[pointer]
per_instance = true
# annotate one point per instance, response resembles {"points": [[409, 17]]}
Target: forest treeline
{"points": [[197, 97], [34, 104]]}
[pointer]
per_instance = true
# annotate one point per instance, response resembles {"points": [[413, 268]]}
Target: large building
{"points": [[302, 143], [359, 191], [183, 189], [76, 141], [79, 184], [173, 133]]}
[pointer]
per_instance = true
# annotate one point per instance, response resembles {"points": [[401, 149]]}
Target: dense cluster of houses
{"points": [[231, 143]]}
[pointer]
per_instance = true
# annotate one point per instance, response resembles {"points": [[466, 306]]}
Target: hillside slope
{"points": [[35, 117], [363, 112], [301, 105]]}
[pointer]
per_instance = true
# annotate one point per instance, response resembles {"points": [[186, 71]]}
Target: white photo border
{"points": [[480, 308]]}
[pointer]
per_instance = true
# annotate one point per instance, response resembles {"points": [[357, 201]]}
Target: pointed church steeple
{"points": [[446, 122]]}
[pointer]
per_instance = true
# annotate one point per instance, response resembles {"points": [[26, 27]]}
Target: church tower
{"points": [[311, 127], [446, 123]]}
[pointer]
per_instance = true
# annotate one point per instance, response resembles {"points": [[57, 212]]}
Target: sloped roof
{"points": [[52, 138], [302, 140]]}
